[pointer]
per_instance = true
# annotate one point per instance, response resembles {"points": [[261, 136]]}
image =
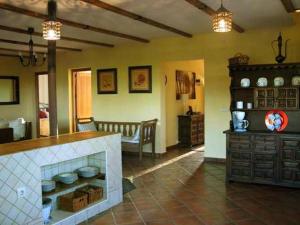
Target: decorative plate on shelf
{"points": [[276, 120], [296, 81]]}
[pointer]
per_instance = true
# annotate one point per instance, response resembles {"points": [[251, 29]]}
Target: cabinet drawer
{"points": [[241, 155], [264, 165], [291, 144], [240, 146], [291, 165], [237, 164], [263, 174], [241, 172], [240, 138], [263, 157], [264, 138]]}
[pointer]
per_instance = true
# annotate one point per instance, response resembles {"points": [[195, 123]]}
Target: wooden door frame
{"points": [[37, 99], [74, 105]]}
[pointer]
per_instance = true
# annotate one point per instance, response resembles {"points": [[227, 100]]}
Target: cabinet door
{"points": [[239, 157], [290, 160], [264, 158]]}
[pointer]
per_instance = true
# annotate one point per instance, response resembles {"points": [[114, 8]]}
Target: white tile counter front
{"points": [[22, 169]]}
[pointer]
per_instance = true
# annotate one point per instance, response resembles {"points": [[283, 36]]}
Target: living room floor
{"points": [[190, 192]]}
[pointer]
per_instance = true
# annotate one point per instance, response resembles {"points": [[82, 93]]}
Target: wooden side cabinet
{"points": [[191, 130], [263, 157]]}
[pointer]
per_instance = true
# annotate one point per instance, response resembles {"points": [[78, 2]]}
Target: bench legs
{"points": [[140, 151]]}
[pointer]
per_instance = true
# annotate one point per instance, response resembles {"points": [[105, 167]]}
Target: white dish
{"points": [[262, 82], [245, 82], [66, 178], [48, 185], [296, 81], [88, 171], [278, 81]]}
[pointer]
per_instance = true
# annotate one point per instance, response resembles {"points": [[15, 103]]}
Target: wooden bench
{"points": [[144, 132]]}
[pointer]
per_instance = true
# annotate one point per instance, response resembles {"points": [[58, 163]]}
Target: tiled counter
{"points": [[25, 164]]}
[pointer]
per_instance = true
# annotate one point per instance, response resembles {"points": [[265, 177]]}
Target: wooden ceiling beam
{"points": [[137, 17], [71, 23], [208, 10], [288, 5], [38, 45], [16, 50], [23, 31], [9, 55]]}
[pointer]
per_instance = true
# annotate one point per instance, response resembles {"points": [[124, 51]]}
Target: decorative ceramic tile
{"points": [[26, 169]]}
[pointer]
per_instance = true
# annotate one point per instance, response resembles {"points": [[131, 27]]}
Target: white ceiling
{"points": [[249, 14]]}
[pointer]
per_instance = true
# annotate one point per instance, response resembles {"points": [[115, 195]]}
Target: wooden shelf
{"points": [[233, 109], [60, 187]]}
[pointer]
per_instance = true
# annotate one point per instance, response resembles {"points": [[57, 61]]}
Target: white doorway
{"points": [[42, 101], [175, 105]]}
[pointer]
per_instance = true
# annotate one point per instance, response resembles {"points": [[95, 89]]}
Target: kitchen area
{"points": [[63, 179]]}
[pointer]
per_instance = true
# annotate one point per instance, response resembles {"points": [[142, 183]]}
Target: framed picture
{"points": [[107, 81], [185, 84], [140, 79]]}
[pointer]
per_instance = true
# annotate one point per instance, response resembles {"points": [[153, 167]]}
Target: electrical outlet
{"points": [[21, 192]]}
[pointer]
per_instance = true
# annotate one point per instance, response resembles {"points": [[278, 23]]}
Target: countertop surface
{"points": [[261, 132], [20, 146]]}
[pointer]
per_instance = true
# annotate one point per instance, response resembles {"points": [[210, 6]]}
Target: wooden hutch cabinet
{"points": [[260, 155], [191, 130]]}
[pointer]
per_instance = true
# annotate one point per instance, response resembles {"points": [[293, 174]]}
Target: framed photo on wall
{"points": [[107, 82], [140, 79]]}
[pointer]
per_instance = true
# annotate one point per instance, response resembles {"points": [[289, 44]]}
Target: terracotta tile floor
{"points": [[190, 192]]}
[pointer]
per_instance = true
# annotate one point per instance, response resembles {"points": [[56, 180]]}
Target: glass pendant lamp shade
{"points": [[222, 20], [51, 30], [51, 27]]}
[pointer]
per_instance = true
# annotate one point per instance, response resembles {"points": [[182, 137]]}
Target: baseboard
{"points": [[216, 160], [171, 147]]}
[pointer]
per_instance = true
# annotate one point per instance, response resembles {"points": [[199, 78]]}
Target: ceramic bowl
{"points": [[245, 82], [66, 178], [88, 171], [262, 82], [278, 81], [48, 185], [296, 81]]}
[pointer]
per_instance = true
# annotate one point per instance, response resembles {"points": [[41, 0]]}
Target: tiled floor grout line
{"points": [[136, 208]]}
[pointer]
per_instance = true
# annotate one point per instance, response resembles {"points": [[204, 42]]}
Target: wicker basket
{"points": [[239, 59], [94, 192], [73, 201]]}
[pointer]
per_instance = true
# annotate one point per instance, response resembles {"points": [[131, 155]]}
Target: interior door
{"points": [[82, 95]]}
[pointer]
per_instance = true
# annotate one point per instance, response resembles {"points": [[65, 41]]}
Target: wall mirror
{"points": [[9, 90]]}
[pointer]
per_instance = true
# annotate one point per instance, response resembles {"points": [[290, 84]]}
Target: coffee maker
{"points": [[239, 124]]}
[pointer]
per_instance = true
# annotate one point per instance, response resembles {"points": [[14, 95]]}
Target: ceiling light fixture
{"points": [[32, 58], [51, 27], [222, 20]]}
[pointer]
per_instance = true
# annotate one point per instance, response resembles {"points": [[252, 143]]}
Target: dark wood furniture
{"points": [[7, 134], [259, 155], [147, 132], [191, 130], [263, 157]]}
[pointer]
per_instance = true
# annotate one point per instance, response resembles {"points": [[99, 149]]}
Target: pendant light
{"points": [[51, 27], [222, 20], [32, 58]]}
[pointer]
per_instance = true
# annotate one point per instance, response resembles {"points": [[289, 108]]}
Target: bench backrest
{"points": [[127, 129]]}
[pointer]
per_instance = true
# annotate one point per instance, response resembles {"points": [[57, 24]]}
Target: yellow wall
{"points": [[26, 108], [175, 107], [213, 48]]}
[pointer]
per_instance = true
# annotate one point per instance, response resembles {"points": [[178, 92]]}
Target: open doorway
{"points": [[81, 95], [184, 90], [42, 103]]}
